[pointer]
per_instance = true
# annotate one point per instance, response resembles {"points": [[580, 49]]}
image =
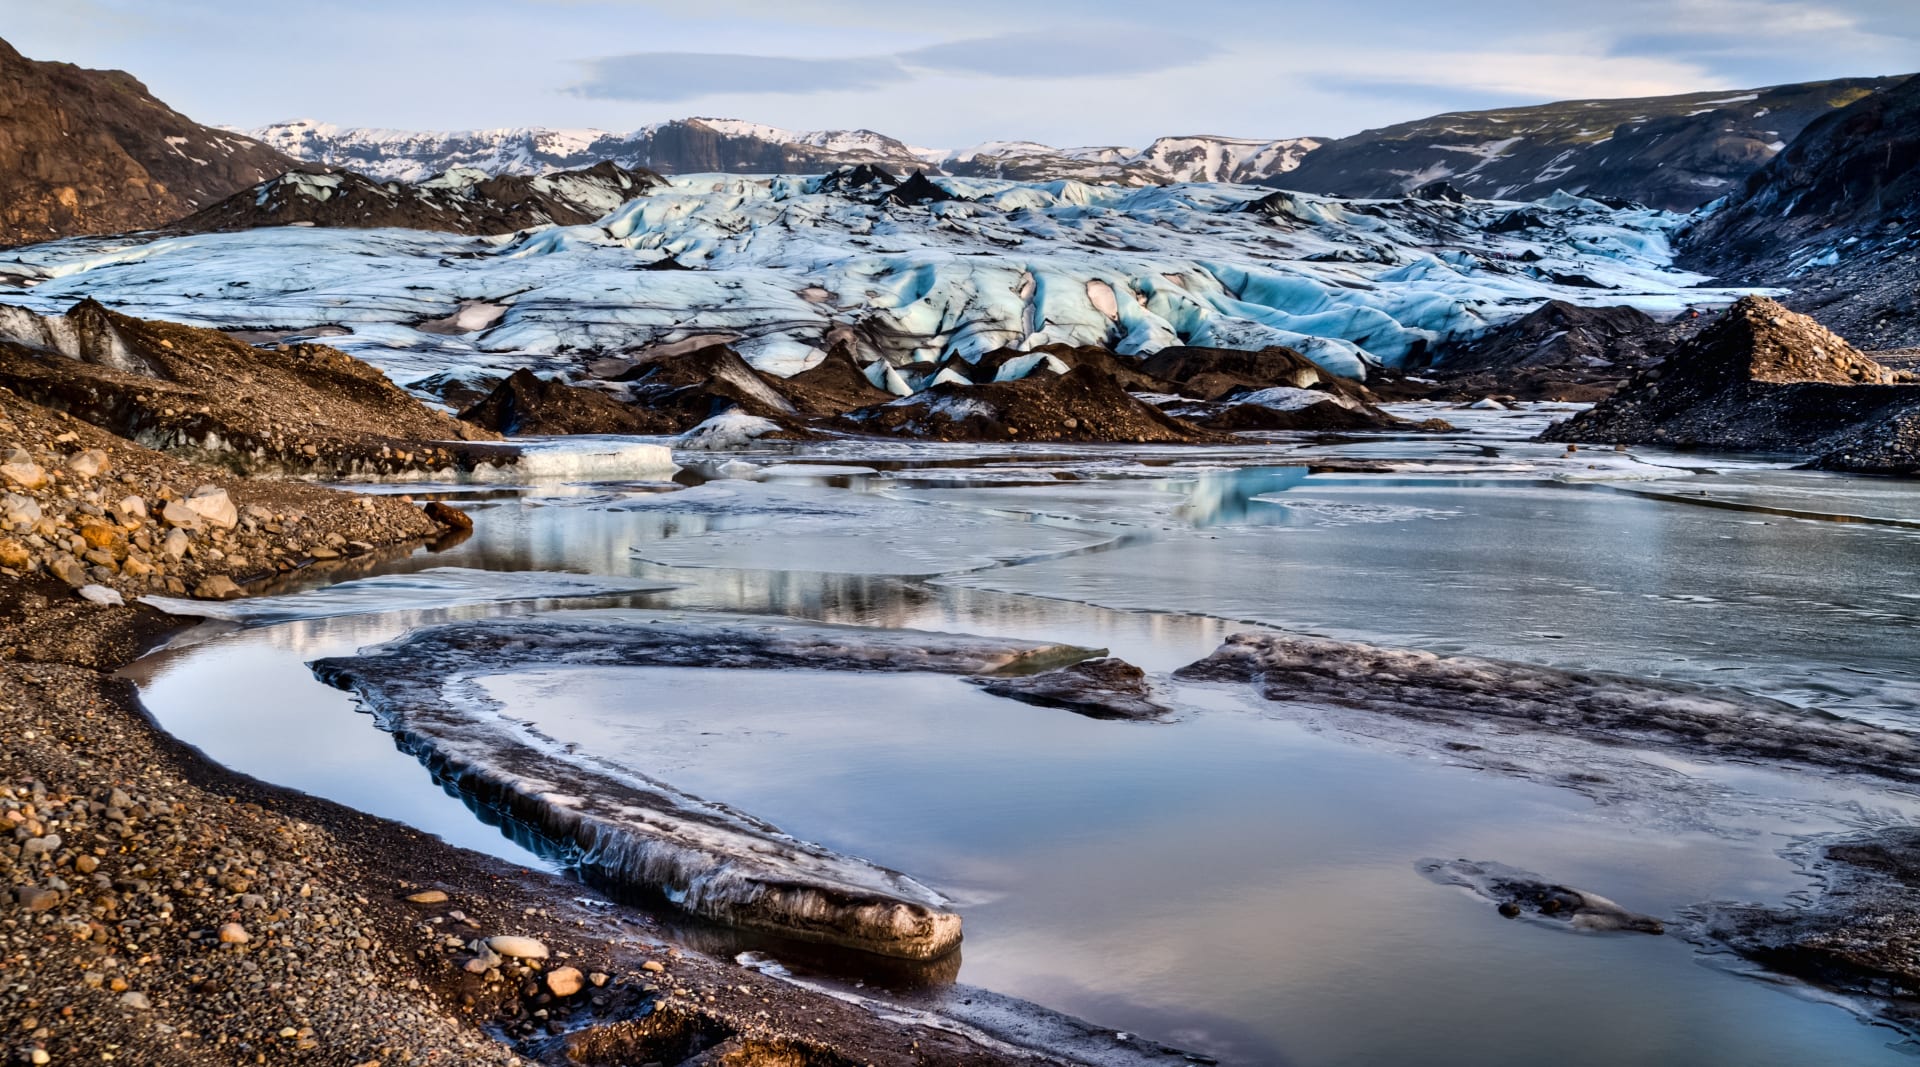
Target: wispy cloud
{"points": [[1084, 53], [670, 76], [1080, 53]]}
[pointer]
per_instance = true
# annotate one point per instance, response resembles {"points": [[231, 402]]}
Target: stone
{"points": [[18, 510], [176, 544], [449, 516], [36, 899], [99, 535], [522, 948], [134, 1001], [131, 508], [212, 504], [428, 896], [216, 587], [599, 978], [234, 934], [86, 864], [89, 464], [565, 981], [177, 514], [102, 595], [654, 965], [27, 475], [14, 555]]}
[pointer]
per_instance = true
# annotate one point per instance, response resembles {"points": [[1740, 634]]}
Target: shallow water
{"points": [[1233, 881]]}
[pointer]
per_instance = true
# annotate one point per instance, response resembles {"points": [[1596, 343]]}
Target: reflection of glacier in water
{"points": [[1241, 881]]}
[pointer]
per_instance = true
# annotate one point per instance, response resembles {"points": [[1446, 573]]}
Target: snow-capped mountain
{"points": [[706, 145], [1166, 160], [1671, 152]]}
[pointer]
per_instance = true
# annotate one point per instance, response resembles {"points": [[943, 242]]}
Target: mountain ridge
{"points": [[92, 151]]}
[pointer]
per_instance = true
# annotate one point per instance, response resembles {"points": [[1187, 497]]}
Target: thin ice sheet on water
{"points": [[783, 527], [433, 588]]}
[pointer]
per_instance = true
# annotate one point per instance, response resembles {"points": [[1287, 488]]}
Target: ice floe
{"points": [[641, 834]]}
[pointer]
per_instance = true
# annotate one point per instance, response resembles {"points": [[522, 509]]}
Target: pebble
{"points": [[134, 1001], [524, 948], [234, 934], [104, 596], [564, 981], [216, 587], [428, 896]]}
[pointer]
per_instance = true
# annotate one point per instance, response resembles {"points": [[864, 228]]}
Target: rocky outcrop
{"points": [[91, 151], [1831, 218], [1764, 379], [296, 409], [1672, 152], [461, 201]]}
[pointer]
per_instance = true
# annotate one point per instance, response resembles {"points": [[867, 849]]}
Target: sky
{"points": [[947, 75]]}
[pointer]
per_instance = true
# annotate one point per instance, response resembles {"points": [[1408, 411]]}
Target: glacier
{"points": [[784, 267]]}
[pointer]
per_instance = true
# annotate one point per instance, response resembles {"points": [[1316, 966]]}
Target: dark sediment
{"points": [[528, 404], [1762, 378], [1080, 405], [1560, 351]]}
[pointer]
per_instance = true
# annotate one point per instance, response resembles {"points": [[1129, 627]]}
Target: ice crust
{"points": [[785, 527], [430, 589], [640, 834], [780, 267]]}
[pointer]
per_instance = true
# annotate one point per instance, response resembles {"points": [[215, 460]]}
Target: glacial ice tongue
{"points": [[640, 834], [779, 269]]}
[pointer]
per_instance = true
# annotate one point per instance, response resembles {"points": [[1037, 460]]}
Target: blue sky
{"points": [[948, 75]]}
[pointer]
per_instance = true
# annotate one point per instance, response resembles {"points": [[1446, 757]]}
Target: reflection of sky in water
{"points": [[1229, 880]]}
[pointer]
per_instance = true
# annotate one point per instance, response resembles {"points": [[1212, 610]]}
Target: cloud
{"points": [[1085, 53], [670, 76], [1080, 53]]}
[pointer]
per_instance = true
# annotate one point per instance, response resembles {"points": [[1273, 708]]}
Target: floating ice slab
{"points": [[431, 589], [713, 861]]}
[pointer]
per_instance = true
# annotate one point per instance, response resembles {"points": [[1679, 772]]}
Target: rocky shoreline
{"points": [[159, 909], [164, 910]]}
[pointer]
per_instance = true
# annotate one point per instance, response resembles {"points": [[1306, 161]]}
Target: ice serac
{"points": [[643, 835], [1482, 694]]}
